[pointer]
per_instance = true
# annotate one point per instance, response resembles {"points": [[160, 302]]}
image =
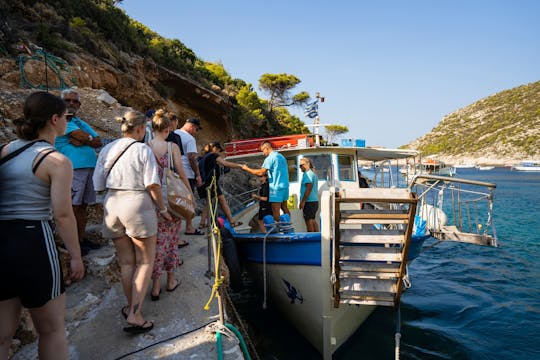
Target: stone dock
{"points": [[94, 321]]}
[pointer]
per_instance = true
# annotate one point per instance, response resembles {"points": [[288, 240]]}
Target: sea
{"points": [[465, 302]]}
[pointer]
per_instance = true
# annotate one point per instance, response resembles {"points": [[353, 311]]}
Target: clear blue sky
{"points": [[389, 69]]}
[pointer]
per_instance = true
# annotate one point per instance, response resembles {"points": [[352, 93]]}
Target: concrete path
{"points": [[94, 320]]}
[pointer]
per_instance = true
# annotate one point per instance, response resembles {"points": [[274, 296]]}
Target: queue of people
{"points": [[55, 176]]}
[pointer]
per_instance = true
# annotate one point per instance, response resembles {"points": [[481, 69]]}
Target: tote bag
{"points": [[179, 199]]}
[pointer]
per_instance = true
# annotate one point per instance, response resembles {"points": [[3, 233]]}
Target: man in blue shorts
{"points": [[78, 144], [276, 169]]}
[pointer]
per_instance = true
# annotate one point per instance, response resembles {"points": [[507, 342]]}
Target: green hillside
{"points": [[506, 124]]}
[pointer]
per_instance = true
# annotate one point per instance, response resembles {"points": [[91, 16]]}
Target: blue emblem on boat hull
{"points": [[292, 293]]}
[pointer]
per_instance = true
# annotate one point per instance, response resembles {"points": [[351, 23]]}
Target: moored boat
{"points": [[327, 283], [527, 165]]}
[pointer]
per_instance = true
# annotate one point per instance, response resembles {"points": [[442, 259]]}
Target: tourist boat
{"points": [[432, 166], [464, 166], [327, 283], [485, 168], [527, 165]]}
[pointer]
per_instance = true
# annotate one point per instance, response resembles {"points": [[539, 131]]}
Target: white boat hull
{"points": [[303, 295]]}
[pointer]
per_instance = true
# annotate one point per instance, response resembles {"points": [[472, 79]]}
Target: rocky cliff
{"points": [[500, 129]]}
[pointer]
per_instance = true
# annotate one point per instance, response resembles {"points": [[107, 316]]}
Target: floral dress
{"points": [[167, 236]]}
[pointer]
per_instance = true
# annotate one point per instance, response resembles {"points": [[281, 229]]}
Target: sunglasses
{"points": [[72, 101]]}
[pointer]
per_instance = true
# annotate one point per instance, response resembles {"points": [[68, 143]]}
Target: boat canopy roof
{"points": [[304, 144]]}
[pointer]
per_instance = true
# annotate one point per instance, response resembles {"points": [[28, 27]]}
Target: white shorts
{"points": [[129, 212]]}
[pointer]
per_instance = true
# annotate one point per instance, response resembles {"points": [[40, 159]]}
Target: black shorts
{"points": [[193, 184], [29, 263], [265, 210], [310, 209], [203, 194]]}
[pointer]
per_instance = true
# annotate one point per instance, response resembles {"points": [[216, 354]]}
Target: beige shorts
{"points": [[129, 212]]}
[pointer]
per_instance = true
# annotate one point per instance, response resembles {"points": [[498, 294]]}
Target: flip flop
{"points": [[202, 226], [196, 232], [237, 223], [139, 329], [124, 311], [182, 244], [155, 297], [175, 286]]}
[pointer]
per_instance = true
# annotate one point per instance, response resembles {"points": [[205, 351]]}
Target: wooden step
{"points": [[358, 286], [349, 236], [370, 253], [374, 275], [373, 194], [382, 216], [356, 223], [360, 266], [369, 298]]}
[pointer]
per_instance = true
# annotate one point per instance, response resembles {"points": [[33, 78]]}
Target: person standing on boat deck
{"points": [[189, 160], [211, 164], [264, 205], [35, 189], [309, 200], [128, 169], [78, 144], [276, 169]]}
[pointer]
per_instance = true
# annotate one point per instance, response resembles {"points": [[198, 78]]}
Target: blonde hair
{"points": [[309, 163], [131, 120], [160, 120]]}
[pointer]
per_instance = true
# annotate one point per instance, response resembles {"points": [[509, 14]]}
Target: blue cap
{"points": [[150, 113]]}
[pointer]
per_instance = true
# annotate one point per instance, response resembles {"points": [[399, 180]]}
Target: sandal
{"points": [[182, 244], [236, 223], [196, 232], [139, 329], [175, 286]]}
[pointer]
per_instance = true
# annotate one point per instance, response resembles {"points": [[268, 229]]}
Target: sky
{"points": [[389, 70]]}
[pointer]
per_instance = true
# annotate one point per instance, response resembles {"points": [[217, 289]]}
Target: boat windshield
{"points": [[346, 168]]}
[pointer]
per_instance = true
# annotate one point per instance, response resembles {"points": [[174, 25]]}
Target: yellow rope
{"points": [[218, 280]]}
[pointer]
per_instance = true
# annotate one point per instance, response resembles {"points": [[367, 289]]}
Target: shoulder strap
{"points": [[44, 154], [118, 157], [169, 156], [17, 152]]}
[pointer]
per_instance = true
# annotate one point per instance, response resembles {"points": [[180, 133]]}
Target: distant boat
{"points": [[527, 165], [484, 168], [464, 166]]}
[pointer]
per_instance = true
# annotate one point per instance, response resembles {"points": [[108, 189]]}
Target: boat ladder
{"points": [[372, 235]]}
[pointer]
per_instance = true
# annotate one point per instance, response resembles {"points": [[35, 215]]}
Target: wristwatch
{"points": [[90, 138]]}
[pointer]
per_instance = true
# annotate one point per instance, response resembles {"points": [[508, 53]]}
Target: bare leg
{"points": [[276, 206], [312, 225], [204, 213], [156, 286], [10, 313], [225, 207], [261, 225], [126, 258], [80, 216], [285, 208], [51, 327], [145, 252]]}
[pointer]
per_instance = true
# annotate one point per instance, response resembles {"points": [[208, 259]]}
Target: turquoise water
{"points": [[466, 301]]}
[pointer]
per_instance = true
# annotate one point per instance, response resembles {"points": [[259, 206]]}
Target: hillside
{"points": [[92, 44], [499, 129]]}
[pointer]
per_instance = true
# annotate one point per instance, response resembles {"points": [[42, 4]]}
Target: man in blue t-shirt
{"points": [[276, 169], [78, 144], [309, 199]]}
